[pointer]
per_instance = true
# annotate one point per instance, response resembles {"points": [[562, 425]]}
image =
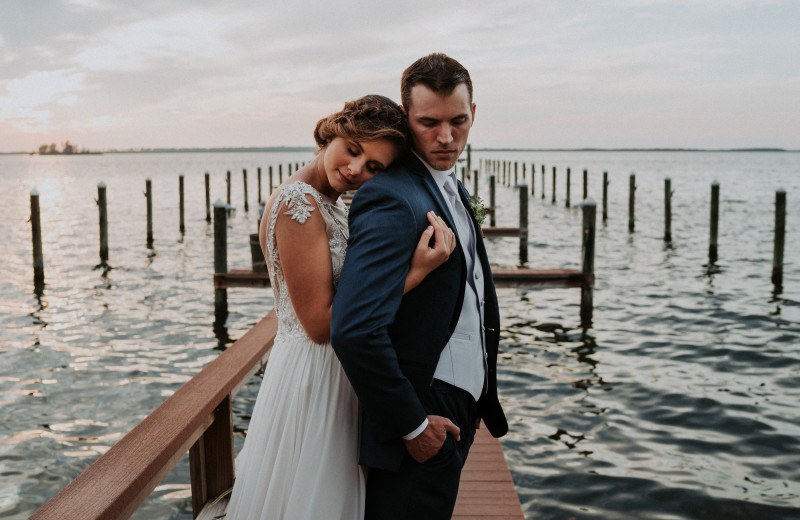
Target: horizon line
{"points": [[248, 149]]}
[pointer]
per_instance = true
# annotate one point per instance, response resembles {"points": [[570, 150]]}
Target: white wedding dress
{"points": [[300, 457]]}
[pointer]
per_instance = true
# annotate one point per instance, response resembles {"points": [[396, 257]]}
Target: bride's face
{"points": [[349, 163]]}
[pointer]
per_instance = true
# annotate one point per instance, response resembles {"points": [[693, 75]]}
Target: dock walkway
{"points": [[486, 492]]}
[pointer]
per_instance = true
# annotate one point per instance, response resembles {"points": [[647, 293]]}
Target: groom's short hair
{"points": [[437, 71]]}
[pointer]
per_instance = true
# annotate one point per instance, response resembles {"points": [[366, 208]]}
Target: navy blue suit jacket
{"points": [[389, 343]]}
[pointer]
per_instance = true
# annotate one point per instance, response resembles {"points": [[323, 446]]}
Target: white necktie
{"points": [[460, 215]]}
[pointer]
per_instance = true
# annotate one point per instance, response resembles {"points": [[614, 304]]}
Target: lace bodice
{"points": [[295, 200]]}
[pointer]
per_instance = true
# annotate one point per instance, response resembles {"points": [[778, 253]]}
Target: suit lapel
{"points": [[416, 166]]}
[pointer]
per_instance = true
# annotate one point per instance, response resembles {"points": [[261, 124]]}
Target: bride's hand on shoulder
{"points": [[427, 258]]}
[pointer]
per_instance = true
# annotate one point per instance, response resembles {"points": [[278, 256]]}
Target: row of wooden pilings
{"points": [[493, 167], [504, 169]]}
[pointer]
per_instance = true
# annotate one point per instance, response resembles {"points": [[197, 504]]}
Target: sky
{"points": [[113, 74]]}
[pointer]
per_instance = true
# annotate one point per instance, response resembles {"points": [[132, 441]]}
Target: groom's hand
{"points": [[429, 442]]}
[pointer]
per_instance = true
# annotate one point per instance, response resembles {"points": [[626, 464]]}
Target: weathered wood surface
{"points": [[541, 278], [503, 278], [121, 479], [486, 490], [495, 231]]}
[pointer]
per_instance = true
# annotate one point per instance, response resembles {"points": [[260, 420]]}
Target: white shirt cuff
{"points": [[416, 432]]}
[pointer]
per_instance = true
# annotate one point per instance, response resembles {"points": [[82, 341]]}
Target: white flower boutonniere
{"points": [[478, 209]]}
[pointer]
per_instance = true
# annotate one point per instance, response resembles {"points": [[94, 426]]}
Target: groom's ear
{"points": [[403, 109]]}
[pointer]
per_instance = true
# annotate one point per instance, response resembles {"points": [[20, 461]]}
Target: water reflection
{"points": [[221, 329]]}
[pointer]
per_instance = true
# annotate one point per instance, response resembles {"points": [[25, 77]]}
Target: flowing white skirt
{"points": [[300, 457]]}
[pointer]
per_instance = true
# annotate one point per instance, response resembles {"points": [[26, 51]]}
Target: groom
{"points": [[423, 365]]}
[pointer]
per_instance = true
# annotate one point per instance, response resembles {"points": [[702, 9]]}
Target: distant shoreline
{"points": [[257, 149]]}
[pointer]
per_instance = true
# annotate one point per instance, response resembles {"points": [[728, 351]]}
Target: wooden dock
{"points": [[486, 491], [503, 278], [198, 418]]}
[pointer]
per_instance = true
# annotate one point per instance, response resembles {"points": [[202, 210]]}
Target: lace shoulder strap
{"points": [[293, 198]]}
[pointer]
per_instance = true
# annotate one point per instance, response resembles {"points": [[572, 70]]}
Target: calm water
{"points": [[680, 402]]}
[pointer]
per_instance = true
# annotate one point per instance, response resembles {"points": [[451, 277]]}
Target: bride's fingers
{"points": [[426, 237], [446, 233]]}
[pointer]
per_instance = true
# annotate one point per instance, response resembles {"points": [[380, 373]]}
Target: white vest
{"points": [[462, 363]]}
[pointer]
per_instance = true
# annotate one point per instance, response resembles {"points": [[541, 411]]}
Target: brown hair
{"points": [[369, 118], [437, 71]]}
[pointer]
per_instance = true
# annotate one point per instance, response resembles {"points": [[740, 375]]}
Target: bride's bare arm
{"points": [[427, 258], [305, 257], [306, 261]]}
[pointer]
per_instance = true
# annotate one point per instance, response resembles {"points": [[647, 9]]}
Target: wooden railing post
{"points": [[211, 462]]}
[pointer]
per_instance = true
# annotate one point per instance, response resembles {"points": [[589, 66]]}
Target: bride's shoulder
{"points": [[297, 200]]}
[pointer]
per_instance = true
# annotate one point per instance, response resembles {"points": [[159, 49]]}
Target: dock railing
{"points": [[197, 418]]}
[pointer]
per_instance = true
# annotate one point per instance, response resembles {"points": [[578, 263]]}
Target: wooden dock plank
{"points": [[486, 489], [503, 278]]}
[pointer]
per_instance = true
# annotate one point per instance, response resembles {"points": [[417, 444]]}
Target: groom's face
{"points": [[440, 124]]}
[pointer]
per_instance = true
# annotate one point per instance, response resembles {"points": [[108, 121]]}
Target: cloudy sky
{"points": [[548, 73]]}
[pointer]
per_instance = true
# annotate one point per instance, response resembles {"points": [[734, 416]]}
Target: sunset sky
{"points": [[110, 74]]}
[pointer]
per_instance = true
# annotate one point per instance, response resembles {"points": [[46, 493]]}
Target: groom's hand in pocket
{"points": [[430, 441]]}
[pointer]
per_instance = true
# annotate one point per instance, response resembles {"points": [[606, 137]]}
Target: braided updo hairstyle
{"points": [[369, 118]]}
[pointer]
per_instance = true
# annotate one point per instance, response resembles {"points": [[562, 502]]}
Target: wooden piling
{"points": [[631, 202], [492, 219], [181, 226], [714, 225], [569, 182], [780, 234], [516, 176], [605, 196], [533, 177], [228, 186], [587, 290], [220, 258], [475, 182], [523, 223], [270, 181], [103, 209], [469, 163], [554, 185], [585, 184], [36, 234], [280, 174], [543, 176], [259, 186], [244, 179], [148, 193], [208, 197], [668, 210]]}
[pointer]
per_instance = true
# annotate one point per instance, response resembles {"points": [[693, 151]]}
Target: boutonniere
{"points": [[478, 209]]}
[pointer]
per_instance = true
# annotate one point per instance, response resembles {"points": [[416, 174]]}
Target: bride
{"points": [[299, 459]]}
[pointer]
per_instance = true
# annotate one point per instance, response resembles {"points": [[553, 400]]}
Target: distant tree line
{"points": [[67, 149]]}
